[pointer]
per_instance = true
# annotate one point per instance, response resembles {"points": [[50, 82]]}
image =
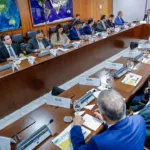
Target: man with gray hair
{"points": [[122, 133]]}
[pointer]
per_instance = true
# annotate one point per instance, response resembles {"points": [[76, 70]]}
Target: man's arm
{"points": [[78, 141], [100, 28], [29, 48], [73, 36]]}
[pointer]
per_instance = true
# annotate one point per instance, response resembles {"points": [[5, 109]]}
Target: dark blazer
{"points": [[33, 45], [73, 35], [119, 21], [4, 52], [110, 24], [100, 27], [146, 17], [128, 134], [145, 113], [87, 29]]}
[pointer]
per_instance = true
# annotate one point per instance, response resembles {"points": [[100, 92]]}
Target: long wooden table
{"points": [[22, 87], [42, 115]]}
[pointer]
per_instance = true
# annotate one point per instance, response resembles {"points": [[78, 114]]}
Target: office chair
{"points": [[31, 34], [17, 38], [66, 28], [53, 29]]}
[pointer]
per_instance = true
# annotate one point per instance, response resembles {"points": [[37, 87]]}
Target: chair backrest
{"points": [[66, 28], [53, 29], [18, 38], [31, 34]]}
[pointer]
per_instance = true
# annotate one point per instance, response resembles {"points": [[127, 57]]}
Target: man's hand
{"points": [[21, 55], [78, 121], [146, 90], [98, 115], [10, 58], [47, 48], [39, 50]]}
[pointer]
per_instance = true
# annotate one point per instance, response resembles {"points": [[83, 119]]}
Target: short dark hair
{"points": [[90, 20], [77, 15], [3, 37], [76, 23], [39, 31], [103, 17], [57, 28], [111, 16]]}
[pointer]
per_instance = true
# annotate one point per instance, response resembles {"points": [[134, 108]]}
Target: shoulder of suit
{"points": [[32, 40]]}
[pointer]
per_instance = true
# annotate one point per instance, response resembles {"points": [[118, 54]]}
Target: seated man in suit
{"points": [[110, 21], [147, 16], [88, 29], [9, 51], [102, 25], [119, 20], [75, 32], [38, 43], [123, 133], [77, 18]]}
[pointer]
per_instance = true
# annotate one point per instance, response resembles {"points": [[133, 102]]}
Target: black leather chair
{"points": [[66, 28], [31, 34], [53, 29]]}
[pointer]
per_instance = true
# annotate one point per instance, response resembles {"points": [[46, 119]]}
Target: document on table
{"points": [[131, 79], [89, 107], [146, 61], [91, 122], [63, 140], [63, 49], [5, 143]]}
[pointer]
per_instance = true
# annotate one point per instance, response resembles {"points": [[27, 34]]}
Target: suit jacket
{"points": [[33, 45], [4, 52], [128, 134], [100, 27], [87, 29], [119, 21], [110, 24], [146, 17], [73, 35], [145, 113]]}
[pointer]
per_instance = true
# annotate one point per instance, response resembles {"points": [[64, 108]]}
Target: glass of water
{"points": [[109, 81], [76, 107], [130, 65]]}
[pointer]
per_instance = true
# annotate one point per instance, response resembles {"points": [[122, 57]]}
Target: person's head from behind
{"points": [[148, 12], [6, 39], [103, 18], [111, 17], [111, 106], [91, 21], [77, 16], [77, 24], [39, 35], [120, 14], [59, 29]]}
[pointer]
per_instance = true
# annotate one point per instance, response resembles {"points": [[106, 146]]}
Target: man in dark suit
{"points": [[147, 16], [119, 20], [123, 133], [110, 21], [88, 27], [102, 25], [8, 50], [77, 18], [38, 43], [75, 32]]}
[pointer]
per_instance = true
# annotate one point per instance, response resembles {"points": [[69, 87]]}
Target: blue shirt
{"points": [[128, 134], [119, 21]]}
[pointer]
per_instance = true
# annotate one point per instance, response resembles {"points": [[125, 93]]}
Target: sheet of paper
{"points": [[96, 94], [59, 101], [80, 113], [89, 107], [131, 79], [23, 58], [102, 87], [63, 140], [5, 143], [91, 122], [63, 49], [89, 81], [146, 61]]}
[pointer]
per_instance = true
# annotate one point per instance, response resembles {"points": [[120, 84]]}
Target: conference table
{"points": [[32, 81]]}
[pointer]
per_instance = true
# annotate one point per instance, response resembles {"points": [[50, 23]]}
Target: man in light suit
{"points": [[147, 16], [102, 25], [75, 32], [9, 51], [38, 43], [119, 20], [123, 133]]}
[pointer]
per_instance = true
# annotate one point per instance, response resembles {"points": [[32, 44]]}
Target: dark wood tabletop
{"points": [[21, 87]]}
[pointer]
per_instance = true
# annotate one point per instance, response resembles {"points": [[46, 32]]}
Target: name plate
{"points": [[131, 54], [59, 102], [89, 81], [54, 52], [114, 66]]}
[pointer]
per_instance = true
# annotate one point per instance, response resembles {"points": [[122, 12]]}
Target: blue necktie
{"points": [[11, 52]]}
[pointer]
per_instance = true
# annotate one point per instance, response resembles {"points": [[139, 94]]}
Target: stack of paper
{"points": [[131, 79], [91, 122], [63, 139], [146, 61]]}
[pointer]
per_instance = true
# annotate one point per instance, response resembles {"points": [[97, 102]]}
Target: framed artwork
{"points": [[9, 15], [51, 11]]}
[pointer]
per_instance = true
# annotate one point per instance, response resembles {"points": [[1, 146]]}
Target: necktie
{"points": [[104, 25], [11, 52], [78, 33]]}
